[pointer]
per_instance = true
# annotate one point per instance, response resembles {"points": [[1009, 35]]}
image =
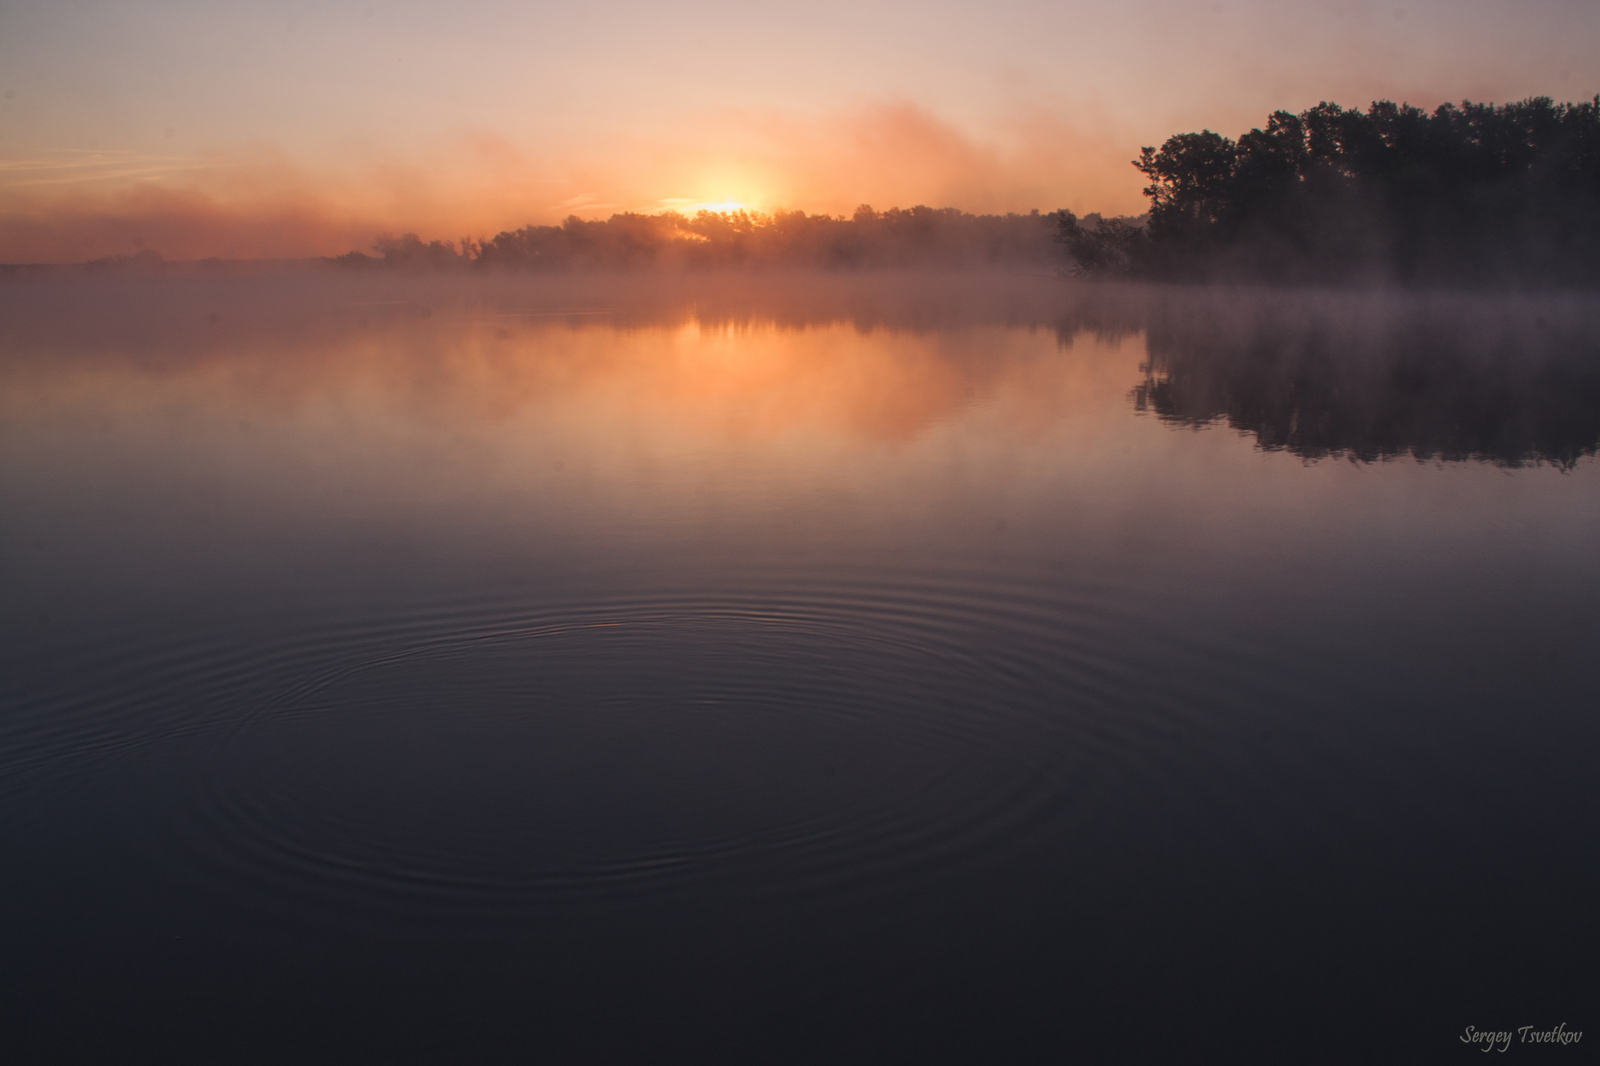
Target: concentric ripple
{"points": [[596, 751], [482, 761]]}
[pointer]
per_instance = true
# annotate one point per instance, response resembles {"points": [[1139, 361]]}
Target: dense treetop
{"points": [[1468, 193]]}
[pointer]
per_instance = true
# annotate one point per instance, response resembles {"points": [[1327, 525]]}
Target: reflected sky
{"points": [[773, 413], [605, 405]]}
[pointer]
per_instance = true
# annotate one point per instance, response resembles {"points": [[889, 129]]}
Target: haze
{"points": [[289, 129]]}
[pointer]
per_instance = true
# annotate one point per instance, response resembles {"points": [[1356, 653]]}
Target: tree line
{"points": [[1475, 193], [914, 237]]}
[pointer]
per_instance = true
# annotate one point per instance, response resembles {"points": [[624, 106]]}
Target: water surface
{"points": [[957, 668]]}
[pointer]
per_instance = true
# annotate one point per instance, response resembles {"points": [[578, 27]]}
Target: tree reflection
{"points": [[1365, 374], [1513, 383]]}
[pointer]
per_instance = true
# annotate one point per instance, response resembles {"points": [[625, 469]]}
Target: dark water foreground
{"points": [[943, 669]]}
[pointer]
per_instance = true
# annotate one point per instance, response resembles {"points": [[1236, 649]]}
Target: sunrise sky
{"points": [[292, 128]]}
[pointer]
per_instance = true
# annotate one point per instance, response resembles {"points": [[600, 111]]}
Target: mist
{"points": [[921, 237], [1362, 375], [265, 202]]}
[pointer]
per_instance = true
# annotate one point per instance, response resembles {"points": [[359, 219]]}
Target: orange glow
{"points": [[263, 203], [678, 373], [726, 207], [144, 129]]}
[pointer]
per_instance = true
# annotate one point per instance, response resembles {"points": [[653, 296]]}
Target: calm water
{"points": [[942, 669]]}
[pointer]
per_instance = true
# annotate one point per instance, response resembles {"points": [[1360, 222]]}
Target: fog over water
{"points": [[793, 667]]}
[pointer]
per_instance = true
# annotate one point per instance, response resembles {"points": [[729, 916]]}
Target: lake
{"points": [[777, 668]]}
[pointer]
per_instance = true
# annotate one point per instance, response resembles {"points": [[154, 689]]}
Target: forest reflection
{"points": [[1512, 382], [1365, 375]]}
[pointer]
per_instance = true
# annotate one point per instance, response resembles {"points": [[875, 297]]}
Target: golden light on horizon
{"points": [[729, 193], [726, 207], [687, 205]]}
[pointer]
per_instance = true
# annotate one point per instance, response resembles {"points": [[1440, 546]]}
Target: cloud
{"points": [[897, 154], [74, 168], [257, 202]]}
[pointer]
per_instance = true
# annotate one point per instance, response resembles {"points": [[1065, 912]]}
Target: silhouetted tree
{"points": [[913, 237], [406, 252], [1102, 246], [1475, 193], [143, 261]]}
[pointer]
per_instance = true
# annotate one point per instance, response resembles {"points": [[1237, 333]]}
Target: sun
{"points": [[688, 205]]}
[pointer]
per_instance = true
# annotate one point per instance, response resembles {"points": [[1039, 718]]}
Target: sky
{"points": [[241, 128]]}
